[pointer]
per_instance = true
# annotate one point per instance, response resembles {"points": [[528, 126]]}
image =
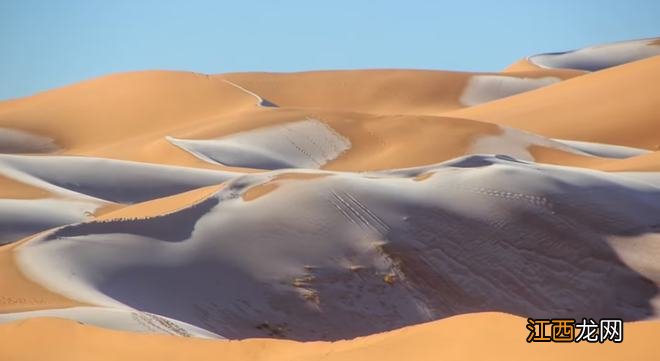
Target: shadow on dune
{"points": [[175, 227], [543, 255], [535, 266]]}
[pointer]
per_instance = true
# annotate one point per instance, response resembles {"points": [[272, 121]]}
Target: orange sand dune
{"points": [[19, 293], [618, 105], [491, 336], [646, 162], [160, 206], [116, 109], [524, 65], [127, 116], [371, 91], [643, 163]]}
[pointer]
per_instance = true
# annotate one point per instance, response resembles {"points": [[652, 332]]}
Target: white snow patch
{"points": [[515, 143], [18, 141], [106, 179], [652, 178], [307, 143], [20, 218], [260, 101], [603, 150], [598, 57], [485, 88], [122, 320]]}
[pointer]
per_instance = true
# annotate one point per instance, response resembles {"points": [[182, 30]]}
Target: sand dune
{"points": [[304, 144], [19, 293], [600, 56], [20, 218], [328, 205], [388, 91], [134, 321], [385, 263], [485, 88], [106, 179], [617, 106], [12, 189], [604, 150], [646, 162], [499, 337]]}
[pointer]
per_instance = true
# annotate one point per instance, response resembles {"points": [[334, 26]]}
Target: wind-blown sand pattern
{"points": [[340, 215]]}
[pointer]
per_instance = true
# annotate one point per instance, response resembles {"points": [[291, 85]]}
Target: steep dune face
{"points": [[404, 249]]}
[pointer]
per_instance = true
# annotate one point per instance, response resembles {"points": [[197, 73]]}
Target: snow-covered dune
{"points": [[23, 217], [78, 186], [517, 143], [303, 144], [600, 56], [18, 141], [106, 179], [604, 150], [339, 255]]}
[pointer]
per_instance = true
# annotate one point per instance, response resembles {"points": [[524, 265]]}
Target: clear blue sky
{"points": [[46, 44]]}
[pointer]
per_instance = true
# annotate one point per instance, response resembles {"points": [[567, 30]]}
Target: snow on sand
{"points": [[368, 252]]}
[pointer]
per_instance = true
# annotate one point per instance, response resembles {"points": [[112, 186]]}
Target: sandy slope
{"points": [[130, 116], [111, 114], [469, 337], [122, 320], [13, 189], [646, 162], [22, 294], [373, 91], [617, 106]]}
